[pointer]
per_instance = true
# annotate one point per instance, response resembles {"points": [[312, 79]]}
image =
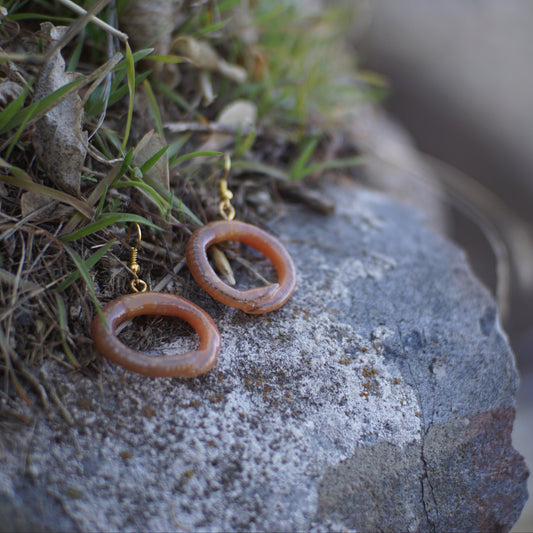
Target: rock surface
{"points": [[459, 85], [381, 397]]}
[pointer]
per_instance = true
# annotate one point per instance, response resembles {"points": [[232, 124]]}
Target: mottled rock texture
{"points": [[380, 398]]}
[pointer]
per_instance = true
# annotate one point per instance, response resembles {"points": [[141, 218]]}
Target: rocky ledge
{"points": [[379, 398]]}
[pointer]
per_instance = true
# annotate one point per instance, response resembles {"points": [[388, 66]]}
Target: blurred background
{"points": [[461, 83]]}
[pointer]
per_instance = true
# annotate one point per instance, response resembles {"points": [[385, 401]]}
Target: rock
{"points": [[468, 105], [381, 396]]}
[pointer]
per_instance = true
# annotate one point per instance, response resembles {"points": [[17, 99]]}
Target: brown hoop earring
{"points": [[253, 301], [190, 364]]}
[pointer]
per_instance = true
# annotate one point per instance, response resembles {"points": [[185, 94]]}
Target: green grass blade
{"points": [[243, 145], [121, 91], [34, 111], [84, 273], [173, 200], [89, 263], [297, 170], [94, 198], [155, 109], [211, 28], [135, 58], [63, 328], [192, 155], [39, 16], [74, 60], [125, 164], [150, 192], [153, 160], [332, 164], [15, 139], [172, 59], [106, 220], [13, 108], [22, 180], [261, 168], [99, 140], [184, 210], [130, 74], [180, 101], [227, 4], [176, 146], [113, 138], [101, 203], [96, 104]]}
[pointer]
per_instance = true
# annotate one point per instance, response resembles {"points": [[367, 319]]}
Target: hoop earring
{"points": [[252, 301], [143, 302]]}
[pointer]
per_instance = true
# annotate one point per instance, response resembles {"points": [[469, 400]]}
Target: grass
{"points": [[61, 258]]}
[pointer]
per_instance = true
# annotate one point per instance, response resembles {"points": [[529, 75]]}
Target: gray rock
{"points": [[381, 397], [459, 84]]}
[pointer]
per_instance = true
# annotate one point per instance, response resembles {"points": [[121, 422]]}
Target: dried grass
{"points": [[63, 246]]}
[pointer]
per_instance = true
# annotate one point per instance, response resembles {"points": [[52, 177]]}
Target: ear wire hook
{"points": [[136, 283], [225, 209]]}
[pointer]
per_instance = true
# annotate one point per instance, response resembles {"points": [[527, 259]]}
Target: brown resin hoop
{"points": [[253, 301], [190, 364]]}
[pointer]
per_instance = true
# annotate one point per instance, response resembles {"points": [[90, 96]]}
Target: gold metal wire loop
{"points": [[225, 208], [136, 284]]}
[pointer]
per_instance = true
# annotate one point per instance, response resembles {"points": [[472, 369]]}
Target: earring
{"points": [[142, 302], [252, 301]]}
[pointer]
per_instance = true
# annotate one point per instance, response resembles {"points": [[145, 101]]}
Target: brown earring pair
{"points": [[253, 301]]}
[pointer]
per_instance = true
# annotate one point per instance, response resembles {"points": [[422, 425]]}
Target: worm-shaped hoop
{"points": [[189, 365], [253, 301]]}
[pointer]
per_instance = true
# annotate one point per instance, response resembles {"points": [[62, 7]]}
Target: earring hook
{"points": [[136, 283], [225, 208]]}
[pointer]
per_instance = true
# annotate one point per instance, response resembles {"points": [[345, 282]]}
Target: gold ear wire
{"points": [[136, 284], [226, 210]]}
